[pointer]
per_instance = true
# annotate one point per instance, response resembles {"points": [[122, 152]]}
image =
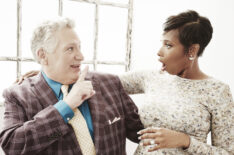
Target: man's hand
{"points": [[81, 91]]}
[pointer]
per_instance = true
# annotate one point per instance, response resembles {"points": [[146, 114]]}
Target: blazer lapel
{"points": [[98, 118], [46, 97], [43, 92]]}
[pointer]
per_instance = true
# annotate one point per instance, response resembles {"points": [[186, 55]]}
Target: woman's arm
{"points": [[222, 127], [133, 82]]}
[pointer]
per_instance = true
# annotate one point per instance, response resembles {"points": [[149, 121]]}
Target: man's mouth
{"points": [[75, 66]]}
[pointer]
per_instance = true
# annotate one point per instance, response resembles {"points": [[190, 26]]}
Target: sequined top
{"points": [[194, 107]]}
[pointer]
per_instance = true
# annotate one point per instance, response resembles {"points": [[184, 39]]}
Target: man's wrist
{"points": [[71, 104], [65, 111]]}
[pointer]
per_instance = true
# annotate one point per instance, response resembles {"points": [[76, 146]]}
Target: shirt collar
{"points": [[56, 86]]}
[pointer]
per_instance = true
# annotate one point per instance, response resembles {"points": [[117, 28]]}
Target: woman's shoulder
{"points": [[219, 92], [216, 84]]}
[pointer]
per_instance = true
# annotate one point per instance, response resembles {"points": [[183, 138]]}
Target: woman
{"points": [[182, 103], [182, 107]]}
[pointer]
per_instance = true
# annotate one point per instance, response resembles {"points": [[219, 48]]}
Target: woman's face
{"points": [[171, 54]]}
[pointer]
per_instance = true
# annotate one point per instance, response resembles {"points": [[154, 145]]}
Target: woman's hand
{"points": [[163, 138], [26, 75]]}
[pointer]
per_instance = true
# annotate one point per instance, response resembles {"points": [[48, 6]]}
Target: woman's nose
{"points": [[160, 53]]}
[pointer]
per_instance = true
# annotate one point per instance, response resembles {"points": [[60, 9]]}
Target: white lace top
{"points": [[194, 107]]}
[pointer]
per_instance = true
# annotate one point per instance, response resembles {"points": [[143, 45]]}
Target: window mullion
{"points": [[95, 37], [60, 11], [129, 37], [19, 30]]}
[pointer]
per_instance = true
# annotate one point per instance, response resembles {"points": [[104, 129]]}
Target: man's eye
{"points": [[70, 49]]}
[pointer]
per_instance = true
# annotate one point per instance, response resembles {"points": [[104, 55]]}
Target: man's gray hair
{"points": [[44, 35]]}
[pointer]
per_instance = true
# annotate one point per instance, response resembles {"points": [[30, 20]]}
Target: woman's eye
{"points": [[168, 46]]}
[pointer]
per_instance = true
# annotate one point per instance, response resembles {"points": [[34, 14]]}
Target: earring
{"points": [[191, 58]]}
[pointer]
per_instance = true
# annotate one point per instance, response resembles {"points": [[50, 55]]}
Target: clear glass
{"points": [[8, 28], [84, 16], [90, 67], [116, 1], [112, 33], [112, 69], [29, 66], [33, 13], [8, 75]]}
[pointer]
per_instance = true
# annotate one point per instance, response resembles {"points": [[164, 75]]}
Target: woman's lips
{"points": [[163, 64], [163, 67]]}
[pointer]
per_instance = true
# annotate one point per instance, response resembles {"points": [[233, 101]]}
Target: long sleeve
{"points": [[133, 82], [24, 135], [222, 127], [132, 119]]}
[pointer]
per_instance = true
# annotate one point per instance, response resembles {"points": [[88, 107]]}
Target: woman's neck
{"points": [[193, 72]]}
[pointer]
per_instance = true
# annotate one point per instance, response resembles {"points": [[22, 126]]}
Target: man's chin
{"points": [[71, 80]]}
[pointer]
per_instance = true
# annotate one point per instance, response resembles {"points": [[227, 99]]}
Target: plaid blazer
{"points": [[33, 126]]}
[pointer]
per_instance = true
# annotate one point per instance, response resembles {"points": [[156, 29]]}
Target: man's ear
{"points": [[193, 50], [42, 56]]}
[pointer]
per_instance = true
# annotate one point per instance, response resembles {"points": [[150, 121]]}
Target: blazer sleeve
{"points": [[132, 119], [222, 127], [21, 135]]}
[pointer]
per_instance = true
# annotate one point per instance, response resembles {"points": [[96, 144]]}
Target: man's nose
{"points": [[79, 56]]}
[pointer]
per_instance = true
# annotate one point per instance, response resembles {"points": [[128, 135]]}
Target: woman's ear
{"points": [[42, 57], [193, 50]]}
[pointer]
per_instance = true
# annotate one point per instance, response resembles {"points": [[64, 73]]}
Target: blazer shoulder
{"points": [[16, 90], [103, 77]]}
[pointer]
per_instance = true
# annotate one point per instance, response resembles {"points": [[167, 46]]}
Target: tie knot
{"points": [[64, 89]]}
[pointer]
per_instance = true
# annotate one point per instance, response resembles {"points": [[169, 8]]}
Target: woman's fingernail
{"points": [[138, 132], [139, 137]]}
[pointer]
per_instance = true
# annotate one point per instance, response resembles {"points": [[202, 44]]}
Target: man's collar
{"points": [[56, 86]]}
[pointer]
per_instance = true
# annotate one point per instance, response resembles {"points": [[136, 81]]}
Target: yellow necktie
{"points": [[80, 128]]}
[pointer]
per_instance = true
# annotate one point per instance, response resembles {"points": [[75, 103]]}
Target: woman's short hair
{"points": [[44, 35], [193, 29]]}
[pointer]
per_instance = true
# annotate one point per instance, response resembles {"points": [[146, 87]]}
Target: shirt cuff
{"points": [[64, 110]]}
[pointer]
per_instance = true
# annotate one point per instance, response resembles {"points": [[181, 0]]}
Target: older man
{"points": [[95, 117]]}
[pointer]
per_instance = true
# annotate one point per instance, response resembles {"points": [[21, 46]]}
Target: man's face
{"points": [[64, 63]]}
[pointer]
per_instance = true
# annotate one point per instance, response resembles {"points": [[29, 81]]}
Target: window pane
{"points": [[116, 1], [112, 33], [8, 28], [29, 66], [34, 12], [90, 66], [8, 75], [83, 14], [113, 69]]}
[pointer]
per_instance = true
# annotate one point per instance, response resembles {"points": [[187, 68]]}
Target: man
{"points": [[38, 115]]}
